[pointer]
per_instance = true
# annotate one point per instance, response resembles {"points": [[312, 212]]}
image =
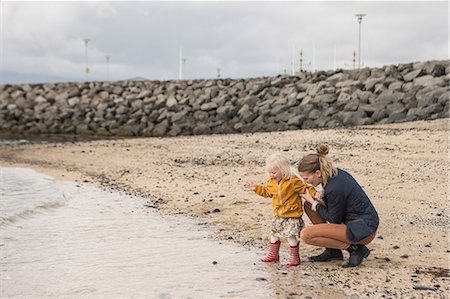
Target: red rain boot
{"points": [[273, 255], [295, 258]]}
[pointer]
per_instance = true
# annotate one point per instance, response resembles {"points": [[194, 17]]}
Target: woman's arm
{"points": [[334, 210]]}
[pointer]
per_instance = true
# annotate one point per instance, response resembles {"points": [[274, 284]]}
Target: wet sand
{"points": [[402, 167]]}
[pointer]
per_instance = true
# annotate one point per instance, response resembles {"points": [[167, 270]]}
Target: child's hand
{"points": [[250, 186]]}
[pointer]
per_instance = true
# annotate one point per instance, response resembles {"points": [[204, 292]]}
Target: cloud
{"points": [[241, 38]]}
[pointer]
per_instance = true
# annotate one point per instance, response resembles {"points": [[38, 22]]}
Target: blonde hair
{"points": [[313, 162], [280, 161]]}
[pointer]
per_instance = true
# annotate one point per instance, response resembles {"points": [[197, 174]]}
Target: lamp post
{"points": [[359, 16], [86, 42], [180, 64], [108, 57], [184, 68]]}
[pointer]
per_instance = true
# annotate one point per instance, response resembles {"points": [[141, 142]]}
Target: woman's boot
{"points": [[330, 254], [273, 255], [357, 254], [295, 258]]}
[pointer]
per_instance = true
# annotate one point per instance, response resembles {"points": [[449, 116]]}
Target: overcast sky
{"points": [[242, 39]]}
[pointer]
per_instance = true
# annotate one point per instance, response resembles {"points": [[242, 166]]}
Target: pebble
{"points": [[423, 288]]}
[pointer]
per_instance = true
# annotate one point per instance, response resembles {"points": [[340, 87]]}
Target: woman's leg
{"points": [[313, 216], [368, 239], [326, 235], [330, 235], [329, 254]]}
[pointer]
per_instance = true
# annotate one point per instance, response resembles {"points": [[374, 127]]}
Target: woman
{"points": [[352, 219]]}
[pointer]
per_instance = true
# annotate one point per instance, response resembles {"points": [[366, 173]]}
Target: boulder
{"points": [[201, 129]]}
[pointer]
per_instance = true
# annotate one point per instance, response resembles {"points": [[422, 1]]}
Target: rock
{"points": [[351, 118], [179, 117], [171, 102], [343, 99], [160, 129], [393, 93], [412, 75], [395, 86], [117, 90], [208, 106], [397, 116], [325, 98], [201, 115], [423, 288], [73, 101], [428, 80], [296, 120], [175, 130], [370, 83], [438, 70], [201, 129], [285, 116], [251, 101], [352, 105], [38, 100]]}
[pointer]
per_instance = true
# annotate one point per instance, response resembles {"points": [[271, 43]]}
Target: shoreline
{"points": [[398, 165]]}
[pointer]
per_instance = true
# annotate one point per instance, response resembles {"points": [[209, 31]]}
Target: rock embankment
{"points": [[394, 93]]}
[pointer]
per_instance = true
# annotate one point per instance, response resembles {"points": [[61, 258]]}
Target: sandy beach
{"points": [[402, 167]]}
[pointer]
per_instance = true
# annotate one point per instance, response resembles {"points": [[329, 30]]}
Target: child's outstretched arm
{"points": [[260, 190], [250, 186]]}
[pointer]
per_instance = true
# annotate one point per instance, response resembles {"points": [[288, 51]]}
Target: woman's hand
{"points": [[250, 186], [319, 198]]}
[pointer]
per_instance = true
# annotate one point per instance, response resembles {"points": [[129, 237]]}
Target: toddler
{"points": [[285, 189]]}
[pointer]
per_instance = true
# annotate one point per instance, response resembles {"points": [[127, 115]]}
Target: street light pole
{"points": [[359, 16], [86, 42], [180, 64], [184, 68], [108, 57]]}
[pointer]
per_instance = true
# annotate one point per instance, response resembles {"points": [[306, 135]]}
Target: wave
{"points": [[30, 212]]}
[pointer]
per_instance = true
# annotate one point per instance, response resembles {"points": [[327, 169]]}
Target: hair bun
{"points": [[322, 149]]}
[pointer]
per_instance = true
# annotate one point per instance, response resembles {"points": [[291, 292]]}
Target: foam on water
{"points": [[23, 193]]}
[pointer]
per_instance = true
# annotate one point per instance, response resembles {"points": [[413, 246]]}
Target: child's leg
{"points": [[293, 244], [292, 240], [274, 239], [273, 255]]}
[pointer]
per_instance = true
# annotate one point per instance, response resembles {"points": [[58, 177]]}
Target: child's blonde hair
{"points": [[280, 161]]}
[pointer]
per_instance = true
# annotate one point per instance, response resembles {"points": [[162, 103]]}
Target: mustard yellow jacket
{"points": [[286, 200]]}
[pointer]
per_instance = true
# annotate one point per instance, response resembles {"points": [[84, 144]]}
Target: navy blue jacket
{"points": [[346, 202]]}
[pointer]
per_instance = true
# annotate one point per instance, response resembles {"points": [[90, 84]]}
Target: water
{"points": [[9, 139], [64, 240]]}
